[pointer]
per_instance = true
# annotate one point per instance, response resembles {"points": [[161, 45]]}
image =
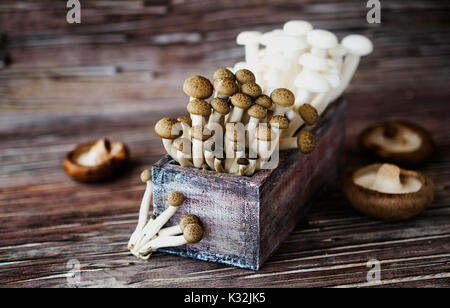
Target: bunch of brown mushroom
{"points": [[150, 234], [239, 129]]}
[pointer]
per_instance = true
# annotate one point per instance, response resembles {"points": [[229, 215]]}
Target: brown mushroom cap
{"points": [[116, 154], [187, 220], [175, 198], [193, 233], [308, 113], [201, 132], [185, 119], [400, 142], [167, 128], [223, 73], [282, 97], [220, 105], [198, 87], [244, 76], [199, 107], [264, 100], [241, 100], [306, 141], [251, 89], [257, 111], [225, 86], [263, 133], [146, 175], [388, 206], [279, 121]]}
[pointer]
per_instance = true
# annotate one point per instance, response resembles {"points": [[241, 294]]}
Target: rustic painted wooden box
{"points": [[246, 218]]}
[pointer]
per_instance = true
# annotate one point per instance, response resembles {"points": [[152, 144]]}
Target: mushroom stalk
{"points": [[295, 121]]}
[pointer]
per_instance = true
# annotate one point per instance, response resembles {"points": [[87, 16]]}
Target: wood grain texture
{"points": [[122, 69]]}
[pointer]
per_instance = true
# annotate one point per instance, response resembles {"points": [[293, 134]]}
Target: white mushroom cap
{"points": [[297, 27], [269, 38], [286, 42], [322, 39], [248, 37], [313, 62], [313, 82], [357, 44]]}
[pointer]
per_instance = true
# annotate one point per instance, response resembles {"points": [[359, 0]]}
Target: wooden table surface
{"points": [[122, 69]]}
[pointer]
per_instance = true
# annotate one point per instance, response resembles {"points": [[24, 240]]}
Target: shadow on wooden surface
{"points": [[120, 70]]}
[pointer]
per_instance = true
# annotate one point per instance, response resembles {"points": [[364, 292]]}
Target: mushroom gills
{"points": [[406, 140]]}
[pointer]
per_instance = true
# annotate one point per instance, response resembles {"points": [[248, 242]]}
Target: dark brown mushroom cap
{"points": [[185, 119], [175, 198], [241, 100], [279, 121], [220, 105], [199, 107], [264, 100], [223, 73], [146, 175], [257, 111], [251, 89], [198, 87], [193, 233], [168, 128], [263, 133], [225, 86], [393, 130], [201, 132], [306, 141], [244, 76], [308, 113], [187, 220], [243, 161], [119, 155], [388, 206], [282, 97]]}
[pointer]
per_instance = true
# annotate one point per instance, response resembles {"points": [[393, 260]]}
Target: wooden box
{"points": [[246, 218]]}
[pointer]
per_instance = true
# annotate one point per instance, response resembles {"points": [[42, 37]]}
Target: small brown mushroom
{"points": [[251, 89], [400, 142], [244, 76], [198, 87], [283, 99], [240, 102], [224, 87], [308, 113], [96, 160], [223, 73], [388, 192], [168, 129], [305, 142], [199, 110]]}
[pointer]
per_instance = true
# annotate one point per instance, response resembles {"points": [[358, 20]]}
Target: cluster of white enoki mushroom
{"points": [[240, 130], [150, 234], [309, 62]]}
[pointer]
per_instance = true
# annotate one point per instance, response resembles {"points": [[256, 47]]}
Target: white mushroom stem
{"points": [[280, 110], [235, 115], [143, 214], [387, 179], [230, 154], [234, 167], [295, 121], [172, 230], [197, 120], [153, 226], [209, 158], [215, 117], [250, 39], [320, 102], [167, 143], [197, 152], [184, 159], [186, 130], [162, 241]]}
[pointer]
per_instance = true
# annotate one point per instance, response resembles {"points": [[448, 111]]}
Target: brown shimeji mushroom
{"points": [[305, 142], [283, 99], [220, 110], [199, 110], [177, 229], [264, 101], [387, 192], [224, 87], [198, 87], [223, 73], [146, 177], [401, 142], [308, 113], [251, 89], [192, 233], [256, 113], [95, 161], [168, 129], [174, 199], [244, 76], [240, 102]]}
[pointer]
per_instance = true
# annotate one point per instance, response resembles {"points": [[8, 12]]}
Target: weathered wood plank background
{"points": [[122, 69]]}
